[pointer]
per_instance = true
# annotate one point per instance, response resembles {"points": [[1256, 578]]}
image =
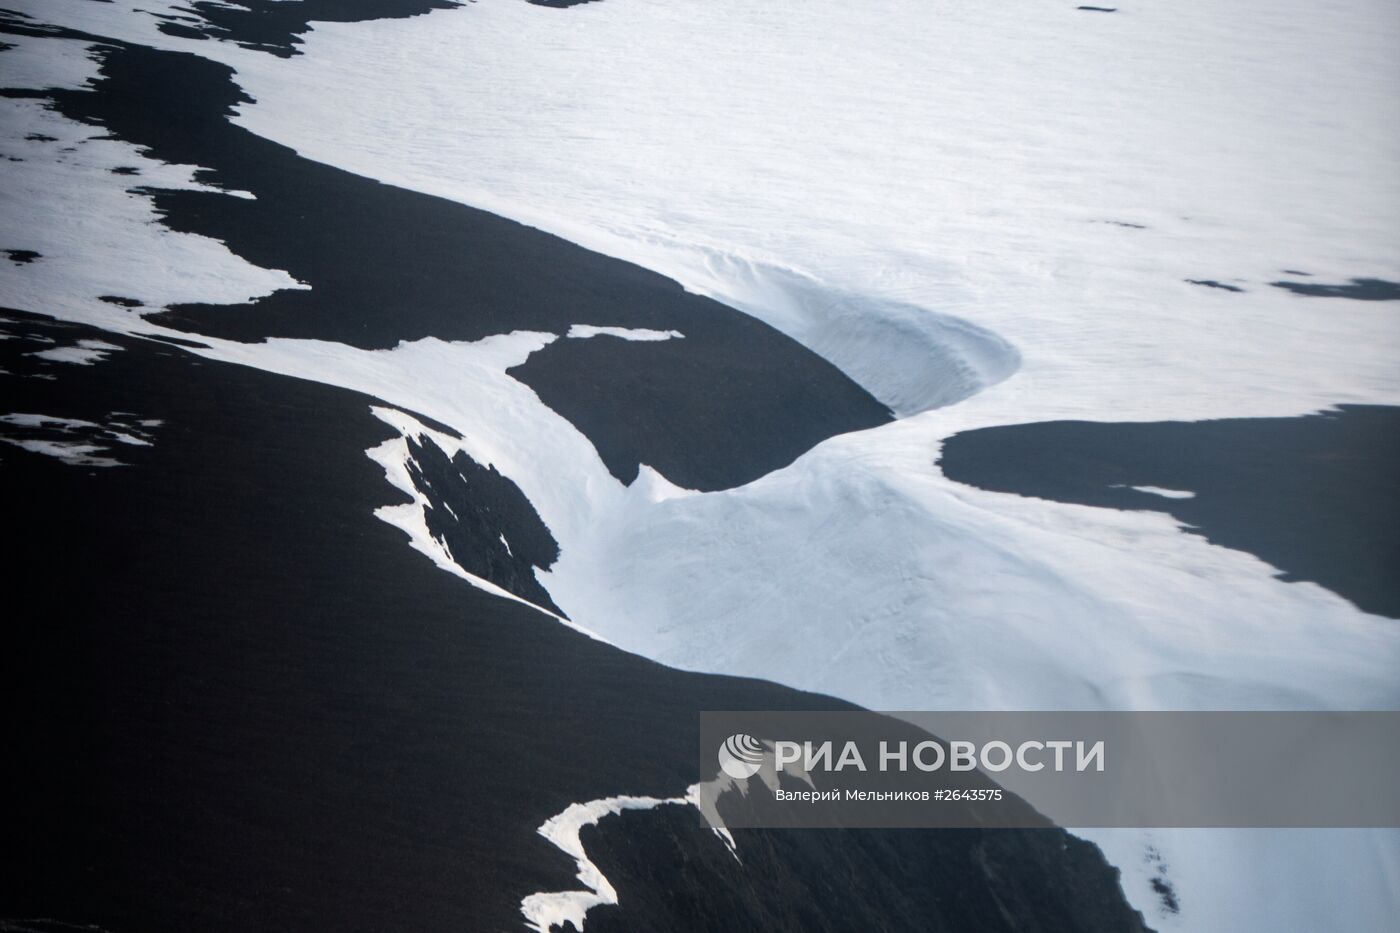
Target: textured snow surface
{"points": [[847, 170], [43, 64], [96, 238], [985, 213]]}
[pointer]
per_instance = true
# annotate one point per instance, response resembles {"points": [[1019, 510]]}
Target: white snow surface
{"points": [[73, 453], [584, 331], [1165, 493], [869, 177], [43, 64], [932, 195], [82, 353]]}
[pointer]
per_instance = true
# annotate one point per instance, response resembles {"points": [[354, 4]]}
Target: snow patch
{"points": [[1164, 493], [584, 331], [73, 453], [83, 353], [72, 440]]}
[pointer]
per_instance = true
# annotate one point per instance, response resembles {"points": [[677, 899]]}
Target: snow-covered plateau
{"points": [[985, 214]]}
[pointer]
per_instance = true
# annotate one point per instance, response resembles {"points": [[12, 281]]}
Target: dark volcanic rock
{"points": [[1358, 289], [1315, 496], [484, 520], [1212, 283], [826, 880]]}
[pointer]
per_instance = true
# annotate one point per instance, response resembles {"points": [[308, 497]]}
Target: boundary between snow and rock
{"points": [[128, 314], [546, 910], [644, 475]]}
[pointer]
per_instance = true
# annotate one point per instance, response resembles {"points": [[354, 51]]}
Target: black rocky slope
{"points": [[1316, 495]]}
